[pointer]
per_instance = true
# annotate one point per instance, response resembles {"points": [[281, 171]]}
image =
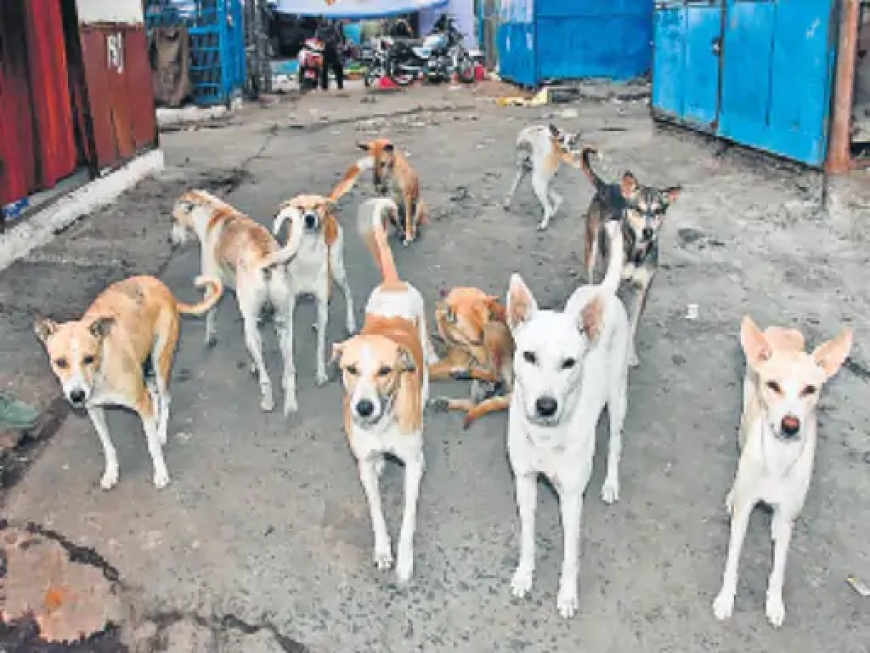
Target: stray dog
{"points": [[393, 176], [100, 359], [386, 382], [568, 365], [777, 444], [320, 259], [245, 256], [479, 347], [641, 211], [541, 151]]}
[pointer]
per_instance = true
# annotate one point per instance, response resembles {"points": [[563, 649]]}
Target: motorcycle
{"points": [[373, 56], [310, 60], [434, 59]]}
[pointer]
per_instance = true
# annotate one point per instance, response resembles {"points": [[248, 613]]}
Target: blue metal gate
{"points": [[516, 42], [757, 72]]}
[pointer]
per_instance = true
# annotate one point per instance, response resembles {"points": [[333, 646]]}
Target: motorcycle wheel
{"points": [[396, 75], [465, 70]]}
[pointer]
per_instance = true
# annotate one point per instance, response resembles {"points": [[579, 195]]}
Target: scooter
{"points": [[310, 60]]}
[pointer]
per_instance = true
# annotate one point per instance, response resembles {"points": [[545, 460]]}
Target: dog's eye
{"points": [[61, 363], [529, 357], [88, 360], [351, 369], [384, 371], [569, 363], [773, 385], [809, 390]]}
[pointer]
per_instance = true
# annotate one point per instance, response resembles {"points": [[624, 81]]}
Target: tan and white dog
{"points": [[540, 152], [777, 444], [386, 381], [100, 358], [319, 261], [568, 365], [245, 256], [393, 176]]}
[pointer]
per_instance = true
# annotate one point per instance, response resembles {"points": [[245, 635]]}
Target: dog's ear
{"points": [[101, 327], [43, 327], [672, 194], [628, 184], [831, 355], [406, 361], [555, 132], [591, 318], [521, 304], [365, 147], [755, 346]]}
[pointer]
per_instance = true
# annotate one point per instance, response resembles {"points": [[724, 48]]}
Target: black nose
{"points": [[77, 396], [647, 233], [546, 406], [310, 220], [365, 408], [790, 426]]}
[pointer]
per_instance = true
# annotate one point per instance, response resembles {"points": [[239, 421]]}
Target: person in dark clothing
{"points": [[332, 35]]}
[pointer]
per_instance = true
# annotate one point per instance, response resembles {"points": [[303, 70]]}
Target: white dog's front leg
{"points": [[110, 475], [723, 606], [405, 552], [616, 409], [571, 504], [780, 531], [340, 275], [368, 476], [527, 498], [322, 318]]}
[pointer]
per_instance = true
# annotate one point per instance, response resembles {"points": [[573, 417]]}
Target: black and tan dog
{"points": [[641, 210]]}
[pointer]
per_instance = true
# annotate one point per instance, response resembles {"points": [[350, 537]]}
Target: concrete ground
{"points": [[262, 540]]}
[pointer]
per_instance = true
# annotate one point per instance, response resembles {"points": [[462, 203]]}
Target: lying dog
{"points": [[479, 347], [245, 256], [319, 261], [99, 359], [540, 152], [393, 176], [777, 445], [641, 211], [386, 382], [568, 365]]}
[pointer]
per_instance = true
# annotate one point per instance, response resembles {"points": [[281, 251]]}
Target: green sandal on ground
{"points": [[16, 414]]}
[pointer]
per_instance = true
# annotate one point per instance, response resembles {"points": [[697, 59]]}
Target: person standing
{"points": [[332, 36]]}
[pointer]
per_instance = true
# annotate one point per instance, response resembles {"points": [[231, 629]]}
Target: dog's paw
{"points": [[110, 478], [567, 602], [161, 478], [210, 340], [404, 566], [610, 491], [290, 405], [775, 610], [467, 421], [267, 403], [439, 404], [723, 606], [350, 327], [632, 360], [321, 379], [521, 583], [383, 558], [542, 225]]}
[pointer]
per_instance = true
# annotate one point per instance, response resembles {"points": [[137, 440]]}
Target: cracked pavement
{"points": [[262, 540]]}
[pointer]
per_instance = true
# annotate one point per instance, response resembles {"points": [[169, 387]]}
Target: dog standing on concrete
{"points": [[641, 211], [393, 176], [99, 359], [386, 381], [480, 348], [568, 365], [540, 152], [777, 444], [319, 261], [245, 256]]}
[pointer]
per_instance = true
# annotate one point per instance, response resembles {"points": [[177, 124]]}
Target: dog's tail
{"points": [[347, 182], [586, 165], [371, 224], [215, 288], [616, 261], [294, 240]]}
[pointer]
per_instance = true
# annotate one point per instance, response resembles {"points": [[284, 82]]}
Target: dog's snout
{"points": [[546, 406], [310, 220], [365, 408], [790, 426], [77, 396], [647, 233]]}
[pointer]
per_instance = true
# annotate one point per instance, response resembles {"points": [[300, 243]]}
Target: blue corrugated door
{"points": [[516, 42]]}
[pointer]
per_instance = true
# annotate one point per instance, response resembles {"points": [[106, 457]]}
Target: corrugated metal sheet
{"points": [[119, 88]]}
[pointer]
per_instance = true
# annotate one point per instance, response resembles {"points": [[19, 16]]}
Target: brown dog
{"points": [[394, 176], [99, 358], [479, 347]]}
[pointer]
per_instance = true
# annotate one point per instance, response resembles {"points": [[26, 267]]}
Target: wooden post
{"points": [[839, 158]]}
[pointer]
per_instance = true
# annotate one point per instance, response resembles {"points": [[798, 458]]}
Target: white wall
{"points": [[110, 11]]}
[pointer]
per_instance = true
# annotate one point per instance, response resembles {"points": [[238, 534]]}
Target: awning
{"points": [[356, 8]]}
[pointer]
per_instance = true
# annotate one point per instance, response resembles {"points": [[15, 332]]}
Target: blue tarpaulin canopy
{"points": [[357, 8]]}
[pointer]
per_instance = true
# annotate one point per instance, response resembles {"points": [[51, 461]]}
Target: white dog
{"points": [[568, 365], [777, 443], [319, 261]]}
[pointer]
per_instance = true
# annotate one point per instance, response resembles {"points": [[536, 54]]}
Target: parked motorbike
{"points": [[434, 59], [373, 56], [310, 60]]}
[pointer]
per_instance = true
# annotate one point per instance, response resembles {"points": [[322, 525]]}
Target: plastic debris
{"points": [[692, 312], [540, 99], [859, 586]]}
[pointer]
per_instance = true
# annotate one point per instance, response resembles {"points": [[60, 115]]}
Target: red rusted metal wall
{"points": [[120, 94]]}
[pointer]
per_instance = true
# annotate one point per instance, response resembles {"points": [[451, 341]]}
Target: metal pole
{"points": [[839, 145]]}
